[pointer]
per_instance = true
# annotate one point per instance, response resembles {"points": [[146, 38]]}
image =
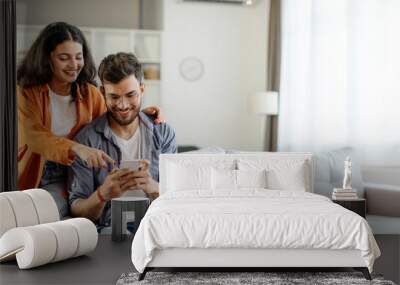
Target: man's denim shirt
{"points": [[83, 181]]}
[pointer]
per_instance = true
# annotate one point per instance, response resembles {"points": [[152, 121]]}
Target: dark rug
{"points": [[269, 278]]}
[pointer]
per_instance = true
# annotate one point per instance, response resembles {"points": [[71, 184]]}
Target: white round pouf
{"points": [[33, 246], [45, 205], [7, 217], [67, 239], [40, 244], [23, 207], [87, 235]]}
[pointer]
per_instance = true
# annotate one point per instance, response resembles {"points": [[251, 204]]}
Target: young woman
{"points": [[57, 96]]}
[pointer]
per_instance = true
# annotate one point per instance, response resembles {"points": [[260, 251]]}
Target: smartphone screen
{"points": [[131, 164]]}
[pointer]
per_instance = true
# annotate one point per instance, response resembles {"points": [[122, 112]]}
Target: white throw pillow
{"points": [[223, 179], [188, 177], [288, 179], [282, 174], [251, 178], [236, 179]]}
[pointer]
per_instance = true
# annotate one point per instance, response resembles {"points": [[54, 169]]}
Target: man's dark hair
{"points": [[116, 67], [35, 68]]}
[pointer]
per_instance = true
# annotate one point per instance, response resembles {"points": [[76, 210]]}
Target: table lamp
{"points": [[264, 103]]}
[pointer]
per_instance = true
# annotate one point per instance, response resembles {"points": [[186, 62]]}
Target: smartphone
{"points": [[134, 165]]}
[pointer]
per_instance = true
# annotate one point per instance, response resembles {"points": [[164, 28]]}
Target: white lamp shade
{"points": [[265, 103]]}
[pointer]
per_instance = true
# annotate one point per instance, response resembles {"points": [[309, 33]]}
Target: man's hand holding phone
{"points": [[117, 182], [134, 165], [142, 176], [133, 175]]}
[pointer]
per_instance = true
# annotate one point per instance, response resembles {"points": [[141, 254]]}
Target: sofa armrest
{"points": [[382, 200]]}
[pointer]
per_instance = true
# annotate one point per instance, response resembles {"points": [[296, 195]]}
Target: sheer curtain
{"points": [[340, 77]]}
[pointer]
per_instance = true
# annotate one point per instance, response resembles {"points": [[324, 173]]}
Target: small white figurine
{"points": [[347, 174]]}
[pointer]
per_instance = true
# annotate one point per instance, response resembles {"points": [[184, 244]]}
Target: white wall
{"points": [[231, 40]]}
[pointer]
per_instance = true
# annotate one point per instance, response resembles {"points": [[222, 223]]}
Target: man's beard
{"points": [[124, 122]]}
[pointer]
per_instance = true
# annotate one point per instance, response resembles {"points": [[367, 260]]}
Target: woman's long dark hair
{"points": [[35, 68]]}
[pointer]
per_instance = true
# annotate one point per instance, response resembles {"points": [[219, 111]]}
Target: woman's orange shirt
{"points": [[36, 142]]}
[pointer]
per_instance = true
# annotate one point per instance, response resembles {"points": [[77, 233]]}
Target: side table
{"points": [[356, 205], [125, 211]]}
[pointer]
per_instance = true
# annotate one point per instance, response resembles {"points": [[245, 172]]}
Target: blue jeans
{"points": [[57, 192], [54, 180]]}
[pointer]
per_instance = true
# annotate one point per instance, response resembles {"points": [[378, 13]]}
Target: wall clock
{"points": [[191, 68]]}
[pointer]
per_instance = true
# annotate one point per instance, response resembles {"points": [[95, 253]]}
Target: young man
{"points": [[124, 133]]}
